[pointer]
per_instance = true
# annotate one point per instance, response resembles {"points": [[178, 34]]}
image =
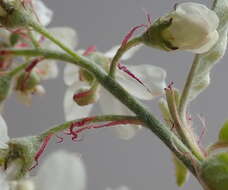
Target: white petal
{"points": [[4, 138], [3, 183], [44, 14], [151, 76], [47, 69], [110, 105], [119, 188], [71, 74], [71, 109], [61, 170], [67, 35], [212, 38], [111, 53]]}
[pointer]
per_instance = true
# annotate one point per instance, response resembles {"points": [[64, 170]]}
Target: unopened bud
{"points": [[86, 96], [15, 13], [191, 27]]}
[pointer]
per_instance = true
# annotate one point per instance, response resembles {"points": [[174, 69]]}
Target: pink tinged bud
{"points": [[86, 95]]}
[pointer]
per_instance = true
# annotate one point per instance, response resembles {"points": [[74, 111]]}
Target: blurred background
{"points": [[142, 163]]}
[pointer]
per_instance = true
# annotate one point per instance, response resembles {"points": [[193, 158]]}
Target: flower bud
{"points": [[27, 82], [191, 27], [21, 154], [86, 95], [214, 172], [15, 13]]}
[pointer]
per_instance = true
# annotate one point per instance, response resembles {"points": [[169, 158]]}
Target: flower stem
{"points": [[17, 69], [187, 87], [103, 118], [132, 43], [163, 132]]}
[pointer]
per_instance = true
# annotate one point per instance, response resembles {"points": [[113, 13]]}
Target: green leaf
{"points": [[223, 133], [209, 59], [181, 172]]}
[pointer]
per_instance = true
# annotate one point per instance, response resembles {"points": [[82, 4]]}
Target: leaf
{"points": [[208, 60], [181, 172], [223, 133]]}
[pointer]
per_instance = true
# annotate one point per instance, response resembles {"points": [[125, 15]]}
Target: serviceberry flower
{"points": [[149, 84], [191, 26]]}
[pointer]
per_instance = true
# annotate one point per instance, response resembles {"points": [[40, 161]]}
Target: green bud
{"points": [[14, 13], [87, 95], [26, 83], [153, 36], [21, 153], [5, 83], [214, 172]]}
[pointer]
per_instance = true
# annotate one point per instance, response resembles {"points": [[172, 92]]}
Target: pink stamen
{"points": [[89, 50], [130, 34], [60, 139], [34, 63], [41, 150], [113, 123], [22, 45], [170, 86], [80, 95], [128, 72]]}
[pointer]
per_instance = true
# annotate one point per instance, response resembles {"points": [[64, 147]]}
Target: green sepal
{"points": [[223, 133], [214, 172], [181, 172], [21, 152]]}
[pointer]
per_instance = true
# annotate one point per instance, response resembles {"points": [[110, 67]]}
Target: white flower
{"points": [[193, 27], [4, 138], [59, 171], [43, 13], [152, 77]]}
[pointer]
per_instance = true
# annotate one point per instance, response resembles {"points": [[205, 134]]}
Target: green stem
{"points": [[34, 41], [132, 43], [38, 28], [187, 87], [17, 69], [163, 132], [95, 119]]}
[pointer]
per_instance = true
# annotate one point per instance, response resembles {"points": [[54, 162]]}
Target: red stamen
{"points": [[41, 150], [34, 63], [89, 50], [127, 71], [60, 139], [170, 86], [130, 33], [22, 45], [113, 123], [81, 95]]}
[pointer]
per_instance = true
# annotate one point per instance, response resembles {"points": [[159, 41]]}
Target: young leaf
{"points": [[181, 172], [223, 133]]}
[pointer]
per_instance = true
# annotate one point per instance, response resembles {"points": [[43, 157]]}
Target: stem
{"points": [[187, 88], [34, 41], [45, 33], [103, 118], [132, 43], [163, 132], [17, 70]]}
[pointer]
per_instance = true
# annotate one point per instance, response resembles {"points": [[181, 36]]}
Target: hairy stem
{"points": [[132, 43], [187, 87], [163, 132], [103, 118]]}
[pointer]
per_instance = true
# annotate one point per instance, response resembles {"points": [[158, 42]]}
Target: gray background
{"points": [[144, 162]]}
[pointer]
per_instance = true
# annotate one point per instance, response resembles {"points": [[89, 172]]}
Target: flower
{"points": [[152, 77], [60, 170], [192, 27], [119, 188]]}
